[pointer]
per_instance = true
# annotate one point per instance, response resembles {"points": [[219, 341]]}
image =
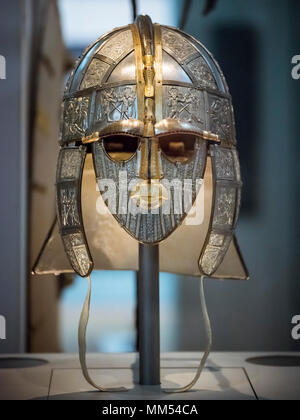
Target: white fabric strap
{"points": [[84, 318], [208, 333]]}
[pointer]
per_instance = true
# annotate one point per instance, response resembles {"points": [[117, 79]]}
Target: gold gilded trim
{"points": [[208, 135], [143, 39], [148, 75], [91, 138], [143, 165], [169, 125]]}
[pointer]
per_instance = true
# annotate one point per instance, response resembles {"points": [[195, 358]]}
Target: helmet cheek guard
{"points": [[226, 203], [68, 197]]}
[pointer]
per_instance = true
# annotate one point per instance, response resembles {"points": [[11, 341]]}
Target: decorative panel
{"points": [[68, 195], [94, 74]]}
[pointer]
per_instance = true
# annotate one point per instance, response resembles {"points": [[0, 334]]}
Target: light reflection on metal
{"points": [[178, 91]]}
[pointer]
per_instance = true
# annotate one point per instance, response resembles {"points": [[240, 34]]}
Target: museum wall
{"points": [[254, 46], [13, 104]]}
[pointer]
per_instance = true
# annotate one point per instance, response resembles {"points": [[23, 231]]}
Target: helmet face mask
{"points": [[155, 106], [153, 188]]}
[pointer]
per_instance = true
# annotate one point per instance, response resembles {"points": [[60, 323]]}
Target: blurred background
{"points": [[254, 42]]}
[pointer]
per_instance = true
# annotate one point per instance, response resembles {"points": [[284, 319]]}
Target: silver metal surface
{"points": [[117, 45], [225, 208], [68, 187], [157, 225], [185, 104], [202, 73], [177, 45], [95, 73], [114, 104], [125, 70], [172, 70], [185, 62], [106, 97], [208, 57]]}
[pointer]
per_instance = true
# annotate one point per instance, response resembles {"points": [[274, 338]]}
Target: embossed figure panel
{"points": [[115, 104], [70, 165], [209, 259], [177, 45], [68, 205], [225, 164], [117, 45], [202, 73], [225, 206], [216, 239], [82, 257], [184, 104], [215, 252], [221, 118], [77, 252], [94, 74], [76, 117]]}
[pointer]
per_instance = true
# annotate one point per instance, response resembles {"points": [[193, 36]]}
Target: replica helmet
{"points": [[152, 105]]}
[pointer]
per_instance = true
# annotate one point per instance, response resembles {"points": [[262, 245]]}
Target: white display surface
{"points": [[227, 376]]}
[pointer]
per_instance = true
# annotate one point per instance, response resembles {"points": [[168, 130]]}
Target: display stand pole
{"points": [[148, 314]]}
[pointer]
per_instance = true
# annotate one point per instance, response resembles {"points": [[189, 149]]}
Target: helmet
{"points": [[152, 105]]}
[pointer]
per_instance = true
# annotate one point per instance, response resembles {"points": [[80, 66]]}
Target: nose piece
{"points": [[156, 171], [149, 193], [149, 159]]}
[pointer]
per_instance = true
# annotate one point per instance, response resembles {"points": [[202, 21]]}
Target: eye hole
{"points": [[178, 148], [120, 148]]}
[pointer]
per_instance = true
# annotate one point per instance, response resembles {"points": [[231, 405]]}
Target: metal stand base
{"points": [[148, 314]]}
